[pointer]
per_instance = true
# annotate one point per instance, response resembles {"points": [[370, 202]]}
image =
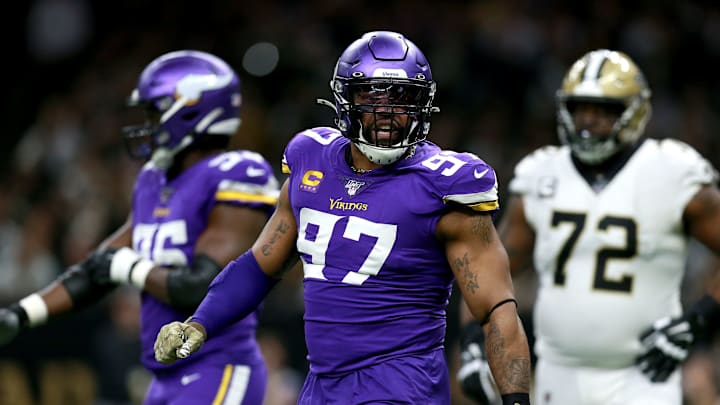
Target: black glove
{"points": [[12, 321], [476, 379], [667, 343]]}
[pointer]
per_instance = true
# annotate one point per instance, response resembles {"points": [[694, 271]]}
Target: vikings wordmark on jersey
{"points": [[363, 240]]}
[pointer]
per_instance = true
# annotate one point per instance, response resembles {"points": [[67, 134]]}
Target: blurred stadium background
{"points": [[65, 180]]}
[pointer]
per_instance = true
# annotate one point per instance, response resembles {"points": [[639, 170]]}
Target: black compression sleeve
{"points": [[80, 287], [187, 286]]}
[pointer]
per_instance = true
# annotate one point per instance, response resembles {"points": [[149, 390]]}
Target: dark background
{"points": [[69, 65]]}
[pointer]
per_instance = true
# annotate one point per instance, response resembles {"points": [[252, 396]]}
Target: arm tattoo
{"points": [[482, 228], [279, 231], [469, 278], [514, 370]]}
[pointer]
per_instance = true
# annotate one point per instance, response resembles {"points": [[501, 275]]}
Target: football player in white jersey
{"points": [[605, 220]]}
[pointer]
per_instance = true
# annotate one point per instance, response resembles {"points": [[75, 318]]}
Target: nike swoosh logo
{"points": [[254, 172], [479, 175], [187, 379]]}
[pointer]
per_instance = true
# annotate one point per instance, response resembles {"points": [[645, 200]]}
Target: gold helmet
{"points": [[608, 77]]}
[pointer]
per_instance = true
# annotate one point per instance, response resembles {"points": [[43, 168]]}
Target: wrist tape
{"points": [[129, 267], [35, 309]]}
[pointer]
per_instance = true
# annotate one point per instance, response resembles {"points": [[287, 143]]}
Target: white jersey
{"points": [[609, 262]]}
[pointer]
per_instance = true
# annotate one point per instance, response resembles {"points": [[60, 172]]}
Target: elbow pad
{"points": [[79, 285], [187, 286]]}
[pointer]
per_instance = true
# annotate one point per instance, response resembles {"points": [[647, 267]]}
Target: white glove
{"points": [[177, 340]]}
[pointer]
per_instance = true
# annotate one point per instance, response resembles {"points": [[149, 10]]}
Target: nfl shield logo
{"points": [[353, 186]]}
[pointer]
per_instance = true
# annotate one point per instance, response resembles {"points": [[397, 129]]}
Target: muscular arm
{"points": [[275, 249], [666, 343], [480, 265], [56, 295], [72, 290], [517, 236], [243, 283], [702, 220], [231, 230]]}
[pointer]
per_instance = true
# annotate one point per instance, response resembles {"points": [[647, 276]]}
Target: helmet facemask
{"points": [[384, 118], [154, 141]]}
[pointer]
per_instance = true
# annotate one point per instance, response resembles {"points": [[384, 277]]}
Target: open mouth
{"points": [[386, 135]]}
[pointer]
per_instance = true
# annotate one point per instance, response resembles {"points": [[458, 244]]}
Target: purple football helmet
{"points": [[386, 75], [188, 95]]}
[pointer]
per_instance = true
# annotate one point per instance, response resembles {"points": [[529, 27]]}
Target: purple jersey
{"points": [[168, 218], [412, 379], [376, 279]]}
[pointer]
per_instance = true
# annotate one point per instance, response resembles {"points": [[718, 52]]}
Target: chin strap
{"points": [[381, 156], [162, 158], [326, 103]]}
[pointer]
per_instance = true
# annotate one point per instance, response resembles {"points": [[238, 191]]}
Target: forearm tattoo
{"points": [[469, 278], [278, 232], [513, 367]]}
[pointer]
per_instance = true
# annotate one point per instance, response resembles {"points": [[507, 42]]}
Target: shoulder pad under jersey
{"points": [[688, 165], [243, 177], [307, 142], [533, 166], [463, 178]]}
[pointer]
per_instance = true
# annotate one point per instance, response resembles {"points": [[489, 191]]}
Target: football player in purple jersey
{"points": [[384, 221], [196, 205]]}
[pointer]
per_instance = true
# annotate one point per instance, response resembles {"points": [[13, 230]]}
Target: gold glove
{"points": [[177, 340]]}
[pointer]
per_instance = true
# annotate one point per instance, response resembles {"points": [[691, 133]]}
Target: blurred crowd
{"points": [[66, 180]]}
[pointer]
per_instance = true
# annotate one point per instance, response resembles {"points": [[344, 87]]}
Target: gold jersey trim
{"points": [[485, 206], [229, 195]]}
